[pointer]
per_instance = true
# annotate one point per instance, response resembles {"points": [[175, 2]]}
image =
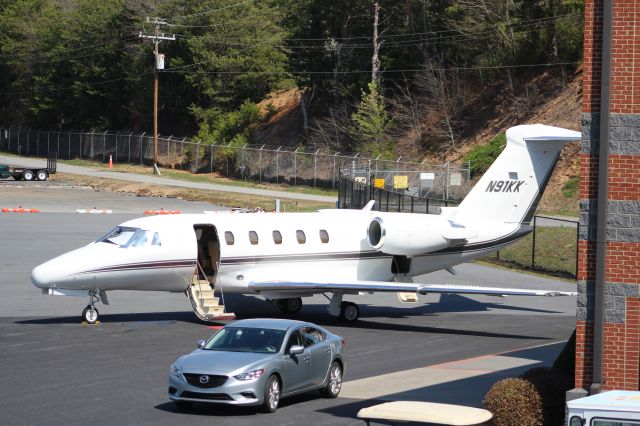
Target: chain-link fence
{"points": [[294, 167]]}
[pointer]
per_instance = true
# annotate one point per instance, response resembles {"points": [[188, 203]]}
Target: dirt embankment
{"points": [[546, 98]]}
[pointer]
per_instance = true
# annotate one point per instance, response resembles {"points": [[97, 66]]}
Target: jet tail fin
{"points": [[511, 189]]}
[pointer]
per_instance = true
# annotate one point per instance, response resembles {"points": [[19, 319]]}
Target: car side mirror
{"points": [[201, 343], [296, 350]]}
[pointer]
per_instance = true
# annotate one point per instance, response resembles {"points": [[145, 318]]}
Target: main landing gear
{"points": [[289, 306], [346, 311], [90, 314], [349, 312]]}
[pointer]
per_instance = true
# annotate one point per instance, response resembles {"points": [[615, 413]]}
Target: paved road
{"points": [[158, 180], [58, 371]]}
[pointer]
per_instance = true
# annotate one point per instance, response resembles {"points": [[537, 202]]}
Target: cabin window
{"points": [[253, 237], [324, 236], [277, 237], [229, 238], [301, 237]]}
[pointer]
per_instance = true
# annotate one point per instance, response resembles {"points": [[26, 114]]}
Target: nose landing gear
{"points": [[90, 314]]}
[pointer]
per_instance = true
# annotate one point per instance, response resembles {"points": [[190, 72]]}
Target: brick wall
{"points": [[621, 338]]}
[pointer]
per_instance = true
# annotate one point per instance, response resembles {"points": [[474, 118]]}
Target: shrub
{"points": [[552, 386], [482, 156], [514, 402]]}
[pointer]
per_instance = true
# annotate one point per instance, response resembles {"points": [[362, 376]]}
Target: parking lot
{"points": [[59, 371]]}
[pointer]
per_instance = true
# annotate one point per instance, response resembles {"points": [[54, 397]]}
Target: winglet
{"points": [[369, 206]]}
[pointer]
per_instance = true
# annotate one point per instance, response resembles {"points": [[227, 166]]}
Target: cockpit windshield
{"points": [[125, 236]]}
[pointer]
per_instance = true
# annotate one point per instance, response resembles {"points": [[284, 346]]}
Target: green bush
{"points": [[514, 402], [482, 156], [552, 386]]}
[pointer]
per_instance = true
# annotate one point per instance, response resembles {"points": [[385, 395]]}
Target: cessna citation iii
{"points": [[286, 256]]}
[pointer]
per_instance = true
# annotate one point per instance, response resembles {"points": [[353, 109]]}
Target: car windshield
{"points": [[125, 236], [245, 339]]}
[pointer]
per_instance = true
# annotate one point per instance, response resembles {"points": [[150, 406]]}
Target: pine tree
{"points": [[371, 124]]}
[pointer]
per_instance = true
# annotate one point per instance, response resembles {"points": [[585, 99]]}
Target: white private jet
{"points": [[286, 256]]}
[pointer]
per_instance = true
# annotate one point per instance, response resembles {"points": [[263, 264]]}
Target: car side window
{"points": [[294, 339], [312, 336]]}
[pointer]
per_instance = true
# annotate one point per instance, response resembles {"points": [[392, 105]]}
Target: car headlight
{"points": [[250, 375], [174, 370]]}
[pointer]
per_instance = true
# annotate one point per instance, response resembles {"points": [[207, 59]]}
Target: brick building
{"points": [[608, 317]]}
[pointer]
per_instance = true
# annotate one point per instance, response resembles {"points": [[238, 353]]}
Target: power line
{"points": [[392, 71], [179, 70], [451, 38]]}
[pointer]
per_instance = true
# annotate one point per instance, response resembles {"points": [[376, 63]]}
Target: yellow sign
{"points": [[400, 182], [378, 183]]}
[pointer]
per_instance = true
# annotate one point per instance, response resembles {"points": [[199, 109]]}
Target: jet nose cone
{"points": [[40, 276]]}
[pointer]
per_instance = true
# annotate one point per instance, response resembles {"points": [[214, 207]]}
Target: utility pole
{"points": [[156, 38]]}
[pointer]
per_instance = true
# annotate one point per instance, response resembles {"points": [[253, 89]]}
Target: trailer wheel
{"points": [[42, 175], [16, 176], [28, 175]]}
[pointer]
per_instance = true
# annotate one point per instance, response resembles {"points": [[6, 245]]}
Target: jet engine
{"points": [[406, 235]]}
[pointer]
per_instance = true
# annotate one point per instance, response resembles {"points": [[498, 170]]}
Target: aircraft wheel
{"points": [[90, 314], [294, 305], [349, 311], [291, 305], [42, 175]]}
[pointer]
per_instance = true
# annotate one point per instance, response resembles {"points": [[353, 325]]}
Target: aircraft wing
{"points": [[273, 287]]}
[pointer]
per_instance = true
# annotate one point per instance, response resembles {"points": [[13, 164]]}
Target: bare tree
{"points": [[408, 110], [443, 93], [332, 131]]}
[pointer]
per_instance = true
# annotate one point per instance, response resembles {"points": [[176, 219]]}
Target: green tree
{"points": [[228, 54], [371, 124]]}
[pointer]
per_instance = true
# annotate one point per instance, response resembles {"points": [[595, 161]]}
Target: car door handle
{"points": [[328, 350]]}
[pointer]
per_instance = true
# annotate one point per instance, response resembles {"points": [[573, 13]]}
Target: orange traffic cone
{"points": [[110, 161]]}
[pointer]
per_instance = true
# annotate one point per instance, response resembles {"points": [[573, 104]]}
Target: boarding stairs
{"points": [[205, 304]]}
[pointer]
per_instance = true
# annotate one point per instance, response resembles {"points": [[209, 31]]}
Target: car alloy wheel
{"points": [[271, 395], [334, 383]]}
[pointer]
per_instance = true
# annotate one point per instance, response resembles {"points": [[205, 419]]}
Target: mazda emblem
{"points": [[204, 379]]}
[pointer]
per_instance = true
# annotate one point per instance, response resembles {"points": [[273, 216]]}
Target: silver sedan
{"points": [[258, 362]]}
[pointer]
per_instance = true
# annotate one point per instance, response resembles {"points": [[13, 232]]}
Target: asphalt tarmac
{"points": [[58, 371]]}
